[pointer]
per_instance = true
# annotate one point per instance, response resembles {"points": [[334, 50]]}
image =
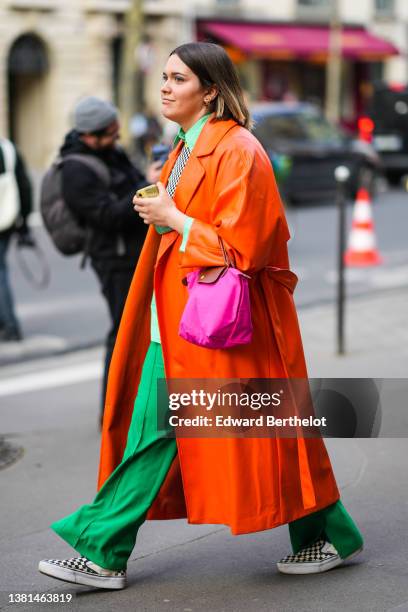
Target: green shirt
{"points": [[190, 138]]}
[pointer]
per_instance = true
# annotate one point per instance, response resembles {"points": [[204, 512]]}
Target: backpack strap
{"points": [[9, 155], [95, 164]]}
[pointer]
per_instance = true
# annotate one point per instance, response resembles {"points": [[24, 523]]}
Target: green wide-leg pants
{"points": [[105, 531]]}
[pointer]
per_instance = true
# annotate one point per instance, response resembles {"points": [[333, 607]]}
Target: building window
{"points": [[385, 7], [314, 10], [313, 3], [227, 2]]}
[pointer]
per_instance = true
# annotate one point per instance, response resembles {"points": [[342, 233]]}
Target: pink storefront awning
{"points": [[269, 40]]}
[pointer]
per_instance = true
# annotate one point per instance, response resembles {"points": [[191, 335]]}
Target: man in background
{"points": [[116, 232], [11, 163]]}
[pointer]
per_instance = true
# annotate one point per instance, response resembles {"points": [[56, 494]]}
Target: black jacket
{"points": [[25, 192], [117, 231]]}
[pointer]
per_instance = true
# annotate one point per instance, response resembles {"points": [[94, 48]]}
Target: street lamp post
{"points": [[342, 175]]}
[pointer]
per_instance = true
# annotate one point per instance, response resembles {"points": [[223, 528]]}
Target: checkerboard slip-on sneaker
{"points": [[81, 570], [315, 558]]}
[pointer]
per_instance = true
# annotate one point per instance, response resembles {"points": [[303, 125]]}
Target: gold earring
{"points": [[207, 101]]}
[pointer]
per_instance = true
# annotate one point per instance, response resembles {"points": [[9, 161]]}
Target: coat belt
{"points": [[283, 276], [288, 279]]}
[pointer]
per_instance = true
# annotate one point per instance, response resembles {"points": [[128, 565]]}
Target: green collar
{"points": [[191, 136]]}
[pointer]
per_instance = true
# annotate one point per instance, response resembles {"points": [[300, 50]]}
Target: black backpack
{"points": [[67, 234]]}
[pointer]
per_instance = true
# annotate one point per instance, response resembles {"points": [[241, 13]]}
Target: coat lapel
{"points": [[211, 134], [189, 182], [193, 173]]}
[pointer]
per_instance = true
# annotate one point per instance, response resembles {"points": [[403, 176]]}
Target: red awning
{"points": [[269, 40]]}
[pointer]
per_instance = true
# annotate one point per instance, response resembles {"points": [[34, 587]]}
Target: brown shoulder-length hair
{"points": [[211, 64]]}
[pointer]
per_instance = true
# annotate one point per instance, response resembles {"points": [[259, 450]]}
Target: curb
{"points": [[307, 307], [40, 355]]}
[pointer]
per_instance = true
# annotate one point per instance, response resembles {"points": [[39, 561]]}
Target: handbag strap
{"points": [[227, 260]]}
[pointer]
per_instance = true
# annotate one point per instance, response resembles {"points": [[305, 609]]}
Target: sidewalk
{"points": [[376, 337]]}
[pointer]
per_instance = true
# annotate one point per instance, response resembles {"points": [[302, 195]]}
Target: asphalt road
{"points": [[49, 408], [313, 249], [179, 567], [70, 311]]}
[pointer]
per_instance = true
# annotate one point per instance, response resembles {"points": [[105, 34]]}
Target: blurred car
{"points": [[305, 149], [388, 112]]}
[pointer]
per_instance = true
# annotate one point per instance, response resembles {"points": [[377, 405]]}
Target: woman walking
{"points": [[219, 185]]}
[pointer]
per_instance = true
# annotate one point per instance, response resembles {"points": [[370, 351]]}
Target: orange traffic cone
{"points": [[362, 249]]}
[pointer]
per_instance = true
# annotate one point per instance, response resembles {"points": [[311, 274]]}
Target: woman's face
{"points": [[182, 94]]}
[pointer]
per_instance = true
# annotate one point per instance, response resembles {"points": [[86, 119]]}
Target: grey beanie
{"points": [[92, 114]]}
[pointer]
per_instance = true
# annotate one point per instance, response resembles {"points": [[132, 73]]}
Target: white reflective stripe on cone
{"points": [[362, 240]]}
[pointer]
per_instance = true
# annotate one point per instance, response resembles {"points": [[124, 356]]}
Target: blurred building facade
{"points": [[52, 52], [280, 47]]}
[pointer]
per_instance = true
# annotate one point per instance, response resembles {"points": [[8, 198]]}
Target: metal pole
{"points": [[342, 174], [333, 69], [129, 80]]}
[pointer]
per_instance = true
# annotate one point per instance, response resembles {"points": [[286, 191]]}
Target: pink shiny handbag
{"points": [[217, 314]]}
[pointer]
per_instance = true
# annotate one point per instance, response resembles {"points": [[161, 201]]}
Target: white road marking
{"points": [[391, 278], [50, 379], [397, 276], [351, 275], [61, 305]]}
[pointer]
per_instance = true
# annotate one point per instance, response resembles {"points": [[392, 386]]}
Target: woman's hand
{"points": [[160, 210], [155, 210]]}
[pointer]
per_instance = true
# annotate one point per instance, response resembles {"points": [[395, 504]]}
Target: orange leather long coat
{"points": [[250, 484]]}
